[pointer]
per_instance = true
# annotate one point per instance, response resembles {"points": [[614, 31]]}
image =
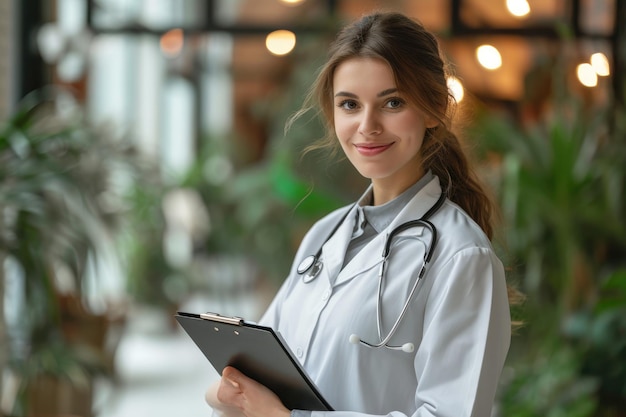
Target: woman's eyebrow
{"points": [[387, 92], [345, 94], [381, 94]]}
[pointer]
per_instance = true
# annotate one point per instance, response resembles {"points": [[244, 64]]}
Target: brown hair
{"points": [[413, 54]]}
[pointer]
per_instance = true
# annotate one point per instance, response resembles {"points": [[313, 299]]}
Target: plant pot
{"points": [[52, 396], [100, 332]]}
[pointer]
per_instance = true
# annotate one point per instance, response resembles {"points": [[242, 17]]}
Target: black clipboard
{"points": [[258, 352]]}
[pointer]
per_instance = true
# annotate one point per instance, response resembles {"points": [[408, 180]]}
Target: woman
{"points": [[384, 96]]}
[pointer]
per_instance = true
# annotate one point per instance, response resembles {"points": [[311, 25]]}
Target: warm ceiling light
{"points": [[518, 8], [172, 42], [292, 2], [587, 75], [456, 88], [600, 64], [280, 42], [489, 57]]}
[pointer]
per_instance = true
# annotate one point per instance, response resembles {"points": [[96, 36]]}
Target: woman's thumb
{"points": [[232, 375]]}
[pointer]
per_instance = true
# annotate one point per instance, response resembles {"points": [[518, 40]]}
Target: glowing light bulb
{"points": [[292, 2], [600, 64], [587, 75], [518, 8], [172, 42], [280, 42], [456, 88], [489, 57]]}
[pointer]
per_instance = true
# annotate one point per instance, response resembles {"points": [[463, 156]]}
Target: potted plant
{"points": [[561, 187], [63, 183]]}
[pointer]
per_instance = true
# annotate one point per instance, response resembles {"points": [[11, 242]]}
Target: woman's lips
{"points": [[371, 150]]}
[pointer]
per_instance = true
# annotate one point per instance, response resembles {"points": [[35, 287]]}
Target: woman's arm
{"points": [[466, 336]]}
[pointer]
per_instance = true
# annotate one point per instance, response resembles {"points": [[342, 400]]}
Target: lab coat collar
{"points": [[418, 206], [371, 255]]}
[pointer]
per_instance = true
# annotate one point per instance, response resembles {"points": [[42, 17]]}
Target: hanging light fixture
{"points": [[456, 88], [489, 57], [600, 64], [587, 75], [280, 42], [172, 42], [518, 8]]}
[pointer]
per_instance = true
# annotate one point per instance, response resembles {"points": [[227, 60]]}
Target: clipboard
{"points": [[257, 351]]}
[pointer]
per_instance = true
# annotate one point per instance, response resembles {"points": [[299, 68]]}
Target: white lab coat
{"points": [[459, 319]]}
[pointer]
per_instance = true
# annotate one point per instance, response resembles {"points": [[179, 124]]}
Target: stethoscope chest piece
{"points": [[309, 268]]}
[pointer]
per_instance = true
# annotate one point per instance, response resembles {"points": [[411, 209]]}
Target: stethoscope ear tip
{"points": [[354, 339], [408, 347]]}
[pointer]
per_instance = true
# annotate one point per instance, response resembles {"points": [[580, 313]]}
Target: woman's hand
{"points": [[220, 409], [237, 395]]}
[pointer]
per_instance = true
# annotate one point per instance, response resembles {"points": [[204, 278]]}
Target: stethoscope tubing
{"points": [[403, 312], [310, 267]]}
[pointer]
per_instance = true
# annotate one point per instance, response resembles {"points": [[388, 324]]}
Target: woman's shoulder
{"points": [[458, 229]]}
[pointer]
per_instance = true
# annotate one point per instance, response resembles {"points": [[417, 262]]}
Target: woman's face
{"points": [[380, 132]]}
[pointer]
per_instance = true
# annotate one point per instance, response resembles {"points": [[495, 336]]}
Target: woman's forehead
{"points": [[364, 74]]}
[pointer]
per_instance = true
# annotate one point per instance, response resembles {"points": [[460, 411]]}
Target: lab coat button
{"points": [[299, 352], [326, 295]]}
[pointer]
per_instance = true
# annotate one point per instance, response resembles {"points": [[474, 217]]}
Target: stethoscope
{"points": [[311, 266]]}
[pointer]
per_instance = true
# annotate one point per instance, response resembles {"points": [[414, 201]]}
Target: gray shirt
{"points": [[371, 220]]}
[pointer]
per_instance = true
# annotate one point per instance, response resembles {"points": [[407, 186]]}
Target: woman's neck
{"points": [[385, 190]]}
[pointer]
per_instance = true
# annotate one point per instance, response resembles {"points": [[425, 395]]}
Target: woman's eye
{"points": [[347, 105], [394, 103]]}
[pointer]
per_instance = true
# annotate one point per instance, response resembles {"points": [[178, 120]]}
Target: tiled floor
{"points": [[161, 371]]}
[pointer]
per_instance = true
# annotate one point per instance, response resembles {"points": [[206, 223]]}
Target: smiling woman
{"points": [[424, 329], [379, 131]]}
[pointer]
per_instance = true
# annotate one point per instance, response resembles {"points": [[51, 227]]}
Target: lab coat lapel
{"points": [[367, 258], [334, 251], [371, 254]]}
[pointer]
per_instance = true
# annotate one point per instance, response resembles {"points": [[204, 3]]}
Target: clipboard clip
{"points": [[222, 319]]}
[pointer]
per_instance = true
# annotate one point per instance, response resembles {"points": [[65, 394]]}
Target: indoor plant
{"points": [[63, 183], [560, 184]]}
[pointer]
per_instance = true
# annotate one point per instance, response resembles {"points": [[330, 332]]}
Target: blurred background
{"points": [[144, 170]]}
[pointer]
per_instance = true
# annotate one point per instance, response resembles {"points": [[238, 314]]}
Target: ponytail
{"points": [[413, 54], [443, 155]]}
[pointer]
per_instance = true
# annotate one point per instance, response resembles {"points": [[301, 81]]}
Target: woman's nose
{"points": [[370, 125]]}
